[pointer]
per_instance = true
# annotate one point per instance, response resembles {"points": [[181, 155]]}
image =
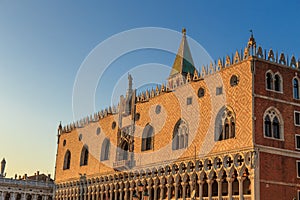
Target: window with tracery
{"points": [[225, 124], [84, 158], [147, 138], [180, 135], [273, 124], [105, 150], [273, 81], [67, 160]]}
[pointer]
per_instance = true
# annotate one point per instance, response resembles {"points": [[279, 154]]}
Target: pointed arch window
{"points": [[269, 81], [84, 158], [273, 81], [296, 88], [147, 138], [273, 124], [267, 126], [105, 149], [225, 124], [67, 160], [277, 82], [180, 135]]}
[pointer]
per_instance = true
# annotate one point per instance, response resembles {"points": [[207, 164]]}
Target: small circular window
{"points": [[158, 109], [64, 143], [234, 80], [113, 125], [201, 92], [98, 131], [80, 137]]}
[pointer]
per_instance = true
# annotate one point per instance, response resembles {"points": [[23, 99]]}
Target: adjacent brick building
{"points": [[229, 131]]}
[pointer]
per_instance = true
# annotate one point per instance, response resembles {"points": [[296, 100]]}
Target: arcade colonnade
{"points": [[220, 177]]}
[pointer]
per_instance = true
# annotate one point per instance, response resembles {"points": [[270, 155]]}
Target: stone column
{"points": [[183, 190], [241, 189], [176, 191], [97, 193], [155, 191], [34, 197], [84, 192], [149, 192], [219, 188], [200, 189], [131, 193], [126, 194], [162, 191], [12, 196], [229, 180], [111, 194], [209, 183], [23, 196], [101, 195], [92, 194], [252, 185], [169, 191], [120, 194]]}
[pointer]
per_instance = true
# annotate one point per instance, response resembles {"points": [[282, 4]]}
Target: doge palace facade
{"points": [[228, 131]]}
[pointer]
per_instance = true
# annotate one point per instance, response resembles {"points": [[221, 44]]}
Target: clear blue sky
{"points": [[43, 43]]}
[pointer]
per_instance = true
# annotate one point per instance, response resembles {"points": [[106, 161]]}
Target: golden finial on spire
{"points": [[183, 31], [251, 42]]}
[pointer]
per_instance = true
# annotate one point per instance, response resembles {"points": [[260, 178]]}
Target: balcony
{"points": [[123, 165]]}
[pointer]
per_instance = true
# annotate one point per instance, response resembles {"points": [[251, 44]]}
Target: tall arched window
{"points": [[147, 138], [296, 88], [273, 124], [84, 158], [269, 81], [67, 160], [277, 82], [105, 149], [267, 126], [180, 135], [225, 124]]}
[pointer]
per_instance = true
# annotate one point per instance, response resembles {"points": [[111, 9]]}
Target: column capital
{"points": [[219, 179], [209, 181], [229, 179], [241, 178], [183, 184]]}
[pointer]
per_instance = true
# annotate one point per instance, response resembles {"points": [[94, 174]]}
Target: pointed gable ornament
{"points": [[195, 77], [211, 68], [188, 77], [246, 53], [236, 57], [259, 52], [157, 90], [227, 62], [293, 62], [162, 89], [203, 71], [271, 56], [220, 65], [282, 59]]}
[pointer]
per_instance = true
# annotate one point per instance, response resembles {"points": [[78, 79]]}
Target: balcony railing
{"points": [[123, 164]]}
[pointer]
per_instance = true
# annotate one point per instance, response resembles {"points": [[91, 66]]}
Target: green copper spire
{"points": [[183, 62]]}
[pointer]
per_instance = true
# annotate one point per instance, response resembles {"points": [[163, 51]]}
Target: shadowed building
{"points": [[228, 131], [36, 187]]}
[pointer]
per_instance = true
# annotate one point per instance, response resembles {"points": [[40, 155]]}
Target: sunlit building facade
{"points": [[227, 131]]}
